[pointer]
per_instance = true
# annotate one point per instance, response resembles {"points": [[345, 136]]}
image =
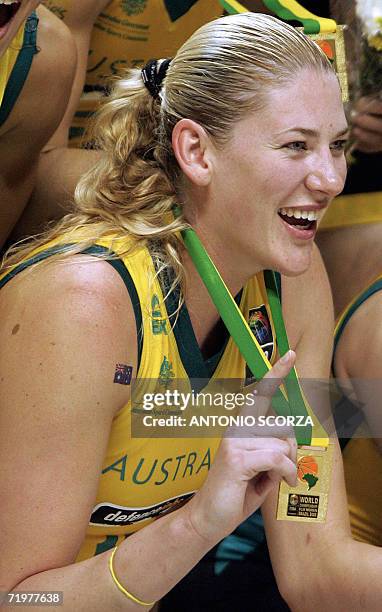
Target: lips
{"points": [[7, 12]]}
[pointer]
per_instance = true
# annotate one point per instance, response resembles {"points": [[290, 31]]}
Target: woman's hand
{"points": [[367, 125], [245, 469]]}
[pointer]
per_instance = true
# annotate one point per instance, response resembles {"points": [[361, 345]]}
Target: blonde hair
{"points": [[222, 73]]}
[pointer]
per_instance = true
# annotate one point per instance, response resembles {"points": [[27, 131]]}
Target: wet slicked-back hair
{"points": [[220, 74]]}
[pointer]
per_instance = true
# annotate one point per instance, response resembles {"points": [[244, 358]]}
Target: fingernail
{"points": [[353, 114], [286, 357]]}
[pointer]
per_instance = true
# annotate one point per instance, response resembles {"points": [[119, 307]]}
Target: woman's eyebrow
{"points": [[309, 132]]}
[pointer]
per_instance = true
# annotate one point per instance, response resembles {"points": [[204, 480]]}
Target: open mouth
{"points": [[300, 219], [8, 9]]}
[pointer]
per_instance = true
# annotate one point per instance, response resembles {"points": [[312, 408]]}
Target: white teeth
{"points": [[9, 1], [311, 215]]}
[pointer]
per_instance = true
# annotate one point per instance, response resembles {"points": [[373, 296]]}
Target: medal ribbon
{"points": [[288, 400], [288, 10]]}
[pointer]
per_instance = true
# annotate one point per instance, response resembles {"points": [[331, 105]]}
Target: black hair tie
{"points": [[153, 74]]}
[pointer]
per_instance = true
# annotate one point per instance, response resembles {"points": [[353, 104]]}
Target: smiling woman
{"points": [[237, 135]]}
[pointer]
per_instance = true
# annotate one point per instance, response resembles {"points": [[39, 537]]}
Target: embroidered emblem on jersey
{"points": [[133, 7], [165, 373], [111, 515], [158, 323], [260, 326], [178, 8]]}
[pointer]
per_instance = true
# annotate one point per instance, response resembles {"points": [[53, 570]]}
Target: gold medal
{"points": [[333, 45], [308, 500]]}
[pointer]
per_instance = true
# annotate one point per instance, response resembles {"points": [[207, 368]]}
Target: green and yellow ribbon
{"points": [[288, 10], [289, 399]]}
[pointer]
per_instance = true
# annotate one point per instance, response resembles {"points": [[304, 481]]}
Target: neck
{"points": [[232, 263]]}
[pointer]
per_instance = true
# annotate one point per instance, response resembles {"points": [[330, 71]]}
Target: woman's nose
{"points": [[327, 176]]}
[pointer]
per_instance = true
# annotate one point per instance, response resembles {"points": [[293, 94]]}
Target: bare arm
{"points": [[320, 566], [79, 17], [358, 360], [33, 120], [60, 168]]}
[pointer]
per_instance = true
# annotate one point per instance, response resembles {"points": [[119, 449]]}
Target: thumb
{"points": [[274, 378]]}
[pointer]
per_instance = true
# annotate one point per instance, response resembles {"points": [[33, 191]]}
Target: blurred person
{"points": [[37, 66], [110, 36]]}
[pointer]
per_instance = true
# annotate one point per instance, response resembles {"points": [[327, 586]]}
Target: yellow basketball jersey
{"points": [[143, 478], [353, 209], [362, 459], [8, 60]]}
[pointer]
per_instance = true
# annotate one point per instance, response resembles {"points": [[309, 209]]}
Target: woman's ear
{"points": [[191, 146]]}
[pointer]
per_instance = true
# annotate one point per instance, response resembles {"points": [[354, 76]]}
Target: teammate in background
{"points": [[125, 34], [350, 239], [351, 245], [57, 173], [36, 70]]}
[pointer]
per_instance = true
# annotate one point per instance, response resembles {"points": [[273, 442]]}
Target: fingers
{"points": [[274, 378], [264, 390], [287, 446], [370, 105], [367, 142], [367, 125], [276, 463]]}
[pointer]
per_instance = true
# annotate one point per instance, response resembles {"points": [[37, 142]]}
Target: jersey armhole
{"points": [[124, 273], [94, 251]]}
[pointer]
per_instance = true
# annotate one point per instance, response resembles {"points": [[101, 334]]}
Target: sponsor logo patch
{"points": [[116, 516]]}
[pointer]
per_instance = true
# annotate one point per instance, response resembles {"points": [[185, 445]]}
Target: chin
{"points": [[296, 263]]}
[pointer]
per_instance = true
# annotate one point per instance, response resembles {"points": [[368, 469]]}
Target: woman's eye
{"points": [[339, 145], [298, 145]]}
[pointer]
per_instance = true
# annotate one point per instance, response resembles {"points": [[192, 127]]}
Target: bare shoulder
{"points": [[70, 310], [359, 350], [63, 329], [77, 15], [63, 286]]}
